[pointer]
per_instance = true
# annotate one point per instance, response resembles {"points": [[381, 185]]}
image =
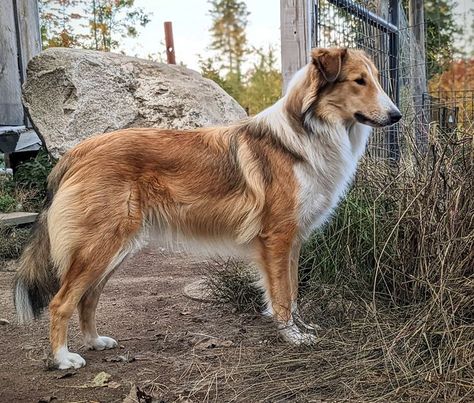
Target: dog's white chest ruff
{"points": [[324, 180]]}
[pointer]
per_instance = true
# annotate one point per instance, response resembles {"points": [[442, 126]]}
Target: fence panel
{"points": [[360, 25], [381, 28]]}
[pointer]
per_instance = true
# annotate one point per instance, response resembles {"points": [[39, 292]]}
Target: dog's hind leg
{"points": [[87, 318], [88, 268]]}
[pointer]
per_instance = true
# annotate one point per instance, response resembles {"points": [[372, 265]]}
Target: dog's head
{"points": [[341, 85]]}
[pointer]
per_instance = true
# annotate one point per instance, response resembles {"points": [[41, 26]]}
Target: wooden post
{"points": [[30, 35], [170, 54], [11, 110], [416, 22], [295, 37], [20, 40]]}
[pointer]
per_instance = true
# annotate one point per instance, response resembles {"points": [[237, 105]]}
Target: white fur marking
{"points": [[23, 304], [66, 360], [332, 154], [100, 343], [292, 334]]}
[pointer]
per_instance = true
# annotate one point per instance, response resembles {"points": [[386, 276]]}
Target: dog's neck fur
{"points": [[312, 131], [328, 156]]}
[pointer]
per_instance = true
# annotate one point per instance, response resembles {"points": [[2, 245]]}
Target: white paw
{"points": [[66, 360], [311, 327], [101, 343], [292, 334]]}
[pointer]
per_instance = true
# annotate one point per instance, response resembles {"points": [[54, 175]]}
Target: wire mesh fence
{"points": [[381, 28]]}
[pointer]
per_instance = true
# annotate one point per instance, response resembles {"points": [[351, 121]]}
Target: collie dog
{"points": [[256, 188]]}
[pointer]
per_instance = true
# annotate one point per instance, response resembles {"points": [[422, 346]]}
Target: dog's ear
{"points": [[329, 62]]}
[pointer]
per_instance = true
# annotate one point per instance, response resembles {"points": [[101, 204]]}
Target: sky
{"points": [[191, 24]]}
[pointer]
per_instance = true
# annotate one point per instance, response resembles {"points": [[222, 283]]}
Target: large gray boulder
{"points": [[71, 94]]}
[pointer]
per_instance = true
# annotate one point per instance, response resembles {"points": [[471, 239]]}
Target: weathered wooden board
{"points": [[11, 110], [25, 31], [30, 36], [295, 37], [17, 218]]}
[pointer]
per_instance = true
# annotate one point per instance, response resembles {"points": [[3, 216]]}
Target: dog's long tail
{"points": [[36, 280]]}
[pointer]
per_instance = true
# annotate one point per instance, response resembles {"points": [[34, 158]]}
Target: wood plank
{"points": [[17, 218], [416, 22], [11, 110], [30, 36], [295, 37]]}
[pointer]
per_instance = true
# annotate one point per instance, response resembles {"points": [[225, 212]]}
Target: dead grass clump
{"points": [[391, 279], [231, 282], [12, 242]]}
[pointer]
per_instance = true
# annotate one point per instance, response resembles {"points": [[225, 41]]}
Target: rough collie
{"points": [[256, 188]]}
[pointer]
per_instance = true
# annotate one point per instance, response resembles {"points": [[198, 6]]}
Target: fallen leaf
{"points": [[113, 385], [137, 395], [132, 395], [143, 396], [101, 380]]}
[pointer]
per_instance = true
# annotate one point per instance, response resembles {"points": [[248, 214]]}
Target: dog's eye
{"points": [[360, 81]]}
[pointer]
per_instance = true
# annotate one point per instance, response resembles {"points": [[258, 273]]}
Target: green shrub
{"points": [[32, 176], [25, 191], [7, 194], [7, 203]]}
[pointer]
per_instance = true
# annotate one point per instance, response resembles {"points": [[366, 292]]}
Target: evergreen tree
{"points": [[263, 87], [260, 86], [89, 23], [111, 18], [229, 20], [210, 71], [441, 30]]}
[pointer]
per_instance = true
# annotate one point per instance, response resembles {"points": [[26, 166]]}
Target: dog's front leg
{"points": [[294, 282], [279, 260], [294, 260]]}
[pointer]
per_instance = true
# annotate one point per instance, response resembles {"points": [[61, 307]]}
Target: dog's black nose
{"points": [[394, 116]]}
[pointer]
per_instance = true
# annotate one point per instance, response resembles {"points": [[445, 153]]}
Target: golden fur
{"points": [[247, 186]]}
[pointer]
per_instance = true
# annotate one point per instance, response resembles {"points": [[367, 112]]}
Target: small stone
{"points": [[4, 322]]}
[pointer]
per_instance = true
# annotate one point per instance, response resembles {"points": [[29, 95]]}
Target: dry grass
{"points": [[231, 282], [14, 198], [391, 280], [12, 242]]}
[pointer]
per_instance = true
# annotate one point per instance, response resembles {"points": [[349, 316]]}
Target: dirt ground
{"points": [[172, 348]]}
